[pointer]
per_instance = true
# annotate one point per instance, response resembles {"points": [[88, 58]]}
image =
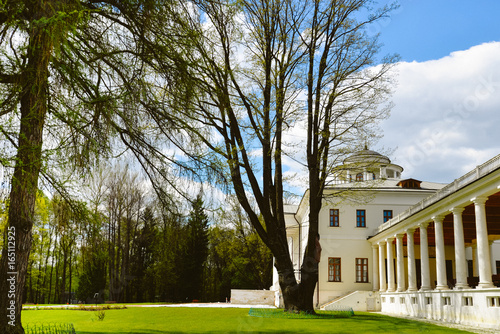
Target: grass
{"points": [[154, 320]]}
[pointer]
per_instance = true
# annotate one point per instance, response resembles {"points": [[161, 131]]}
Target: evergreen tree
{"points": [[196, 251]]}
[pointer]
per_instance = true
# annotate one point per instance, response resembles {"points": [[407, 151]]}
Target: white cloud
{"points": [[446, 114]]}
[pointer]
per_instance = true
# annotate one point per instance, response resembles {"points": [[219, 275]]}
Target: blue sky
{"points": [[423, 30], [446, 113]]}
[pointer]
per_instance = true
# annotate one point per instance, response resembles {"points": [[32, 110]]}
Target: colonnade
{"points": [[385, 249]]}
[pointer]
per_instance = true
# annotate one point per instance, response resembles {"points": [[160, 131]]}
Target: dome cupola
{"points": [[368, 165]]}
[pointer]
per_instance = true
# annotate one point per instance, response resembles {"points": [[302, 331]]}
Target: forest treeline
{"points": [[120, 243]]}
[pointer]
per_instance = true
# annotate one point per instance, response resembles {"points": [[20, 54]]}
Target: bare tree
{"points": [[264, 68]]}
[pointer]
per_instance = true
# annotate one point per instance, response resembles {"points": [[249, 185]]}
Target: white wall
{"points": [[252, 297], [350, 242]]}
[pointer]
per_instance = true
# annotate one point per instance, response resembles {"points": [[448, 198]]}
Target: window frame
{"points": [[334, 218], [332, 265], [386, 217], [361, 270], [360, 218]]}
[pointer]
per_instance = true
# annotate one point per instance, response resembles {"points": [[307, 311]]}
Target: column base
{"points": [[412, 290], [442, 287], [485, 285], [425, 288], [391, 290], [461, 286]]}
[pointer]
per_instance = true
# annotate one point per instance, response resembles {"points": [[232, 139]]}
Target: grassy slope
{"points": [[218, 320]]}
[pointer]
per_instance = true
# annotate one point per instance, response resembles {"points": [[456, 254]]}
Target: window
{"points": [[446, 300], [334, 269], [467, 301], [361, 270], [359, 177], [493, 301], [428, 300], [360, 218], [387, 215], [334, 218]]}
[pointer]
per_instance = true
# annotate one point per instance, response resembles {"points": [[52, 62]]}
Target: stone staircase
{"points": [[362, 301]]}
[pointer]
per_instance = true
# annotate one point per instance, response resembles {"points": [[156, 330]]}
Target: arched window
{"points": [[359, 177]]}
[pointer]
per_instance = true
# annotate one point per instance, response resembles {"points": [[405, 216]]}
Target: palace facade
{"points": [[405, 246]]}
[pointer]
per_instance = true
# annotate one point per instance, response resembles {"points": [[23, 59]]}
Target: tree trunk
{"points": [[62, 296], [70, 276], [15, 253], [45, 271]]}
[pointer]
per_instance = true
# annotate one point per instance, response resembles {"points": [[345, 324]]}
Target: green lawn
{"points": [[222, 320]]}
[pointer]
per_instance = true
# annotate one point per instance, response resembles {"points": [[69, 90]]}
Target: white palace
{"points": [[404, 246]]}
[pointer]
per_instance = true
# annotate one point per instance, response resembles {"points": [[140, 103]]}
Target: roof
{"points": [[389, 184], [367, 156], [290, 209]]}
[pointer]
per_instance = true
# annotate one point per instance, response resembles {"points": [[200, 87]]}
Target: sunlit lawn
{"points": [[222, 320]]}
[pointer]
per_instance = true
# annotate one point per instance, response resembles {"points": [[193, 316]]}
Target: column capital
{"points": [[410, 230], [389, 239], [381, 243], [375, 246], [399, 235], [479, 199], [438, 218], [423, 225], [457, 210]]}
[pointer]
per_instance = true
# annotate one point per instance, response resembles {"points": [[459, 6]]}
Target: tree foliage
{"points": [[74, 73]]}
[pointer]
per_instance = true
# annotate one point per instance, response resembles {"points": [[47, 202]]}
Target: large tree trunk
{"points": [[299, 297], [15, 253]]}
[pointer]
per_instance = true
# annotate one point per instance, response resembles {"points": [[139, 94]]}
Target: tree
{"points": [[195, 251], [71, 71], [263, 69], [237, 259]]}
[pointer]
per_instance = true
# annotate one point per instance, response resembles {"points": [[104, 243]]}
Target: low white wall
{"points": [[252, 297], [472, 307]]}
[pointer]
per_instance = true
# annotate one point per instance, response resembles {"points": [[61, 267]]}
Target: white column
{"points": [[475, 271], [483, 247], [383, 172], [493, 263], [381, 266], [460, 260], [412, 271], [424, 258], [375, 267], [391, 285], [442, 283], [400, 263]]}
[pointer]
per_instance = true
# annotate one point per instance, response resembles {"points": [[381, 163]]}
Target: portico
{"points": [[434, 278]]}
